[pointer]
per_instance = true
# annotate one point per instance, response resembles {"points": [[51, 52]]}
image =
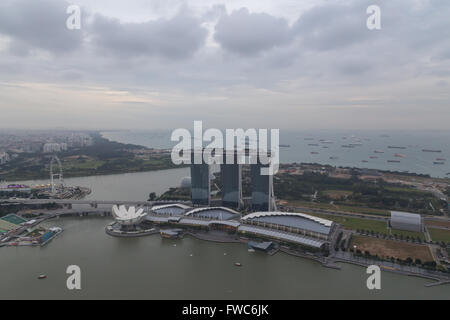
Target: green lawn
{"points": [[439, 235], [371, 225], [343, 208], [410, 234]]}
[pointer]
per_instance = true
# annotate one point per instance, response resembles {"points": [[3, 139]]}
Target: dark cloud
{"points": [[38, 24], [248, 33], [176, 38]]}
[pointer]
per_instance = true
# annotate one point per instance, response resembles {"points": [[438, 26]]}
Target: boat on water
{"points": [[313, 144], [42, 276], [396, 147], [356, 144], [378, 151], [398, 155], [314, 152], [347, 146], [431, 150], [238, 264], [440, 159], [438, 162], [334, 158], [365, 161], [393, 161], [285, 145], [309, 139], [373, 157]]}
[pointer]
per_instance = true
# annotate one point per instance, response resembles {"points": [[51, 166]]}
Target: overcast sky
{"points": [[153, 64]]}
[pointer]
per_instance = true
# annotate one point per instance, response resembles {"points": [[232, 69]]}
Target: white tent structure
{"points": [[128, 217]]}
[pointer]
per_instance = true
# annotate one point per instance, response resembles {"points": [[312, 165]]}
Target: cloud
{"points": [[176, 38], [248, 33], [38, 24], [281, 55], [332, 26]]}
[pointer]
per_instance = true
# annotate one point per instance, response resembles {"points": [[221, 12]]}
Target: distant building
{"points": [[80, 140], [4, 158], [406, 221], [54, 147]]}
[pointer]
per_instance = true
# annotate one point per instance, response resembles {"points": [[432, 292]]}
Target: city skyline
{"points": [[162, 64]]}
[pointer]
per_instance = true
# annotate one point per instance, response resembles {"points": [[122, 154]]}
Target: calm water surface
{"points": [[154, 268]]}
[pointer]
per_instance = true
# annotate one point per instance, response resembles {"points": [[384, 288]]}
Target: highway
{"points": [[86, 202]]}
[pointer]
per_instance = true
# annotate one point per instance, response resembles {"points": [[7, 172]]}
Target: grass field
{"points": [[371, 225], [343, 208], [389, 248], [437, 223], [439, 234], [357, 223], [411, 234]]}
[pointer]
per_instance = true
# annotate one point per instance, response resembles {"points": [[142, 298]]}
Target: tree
{"points": [[152, 196]]}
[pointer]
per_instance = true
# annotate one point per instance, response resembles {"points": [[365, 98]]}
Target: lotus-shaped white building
{"points": [[128, 217]]}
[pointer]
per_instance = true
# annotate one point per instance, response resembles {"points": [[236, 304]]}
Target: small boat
{"points": [[394, 161], [438, 162], [440, 159], [431, 150], [334, 158], [396, 147], [398, 155], [251, 250], [378, 151], [42, 276], [373, 157], [365, 161], [314, 152], [238, 264], [285, 145], [313, 144]]}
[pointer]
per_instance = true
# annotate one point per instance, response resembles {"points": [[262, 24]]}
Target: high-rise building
{"points": [[231, 184], [262, 189], [200, 183]]}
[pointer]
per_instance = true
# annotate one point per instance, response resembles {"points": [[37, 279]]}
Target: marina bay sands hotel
{"points": [[262, 196]]}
